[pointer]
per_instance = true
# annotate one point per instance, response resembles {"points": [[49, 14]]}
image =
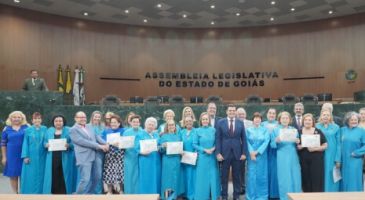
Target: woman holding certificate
{"points": [[187, 134], [131, 156], [60, 171], [171, 150], [270, 125], [11, 147], [258, 139], [353, 151], [207, 185], [113, 163], [188, 112], [284, 139], [311, 148], [34, 157], [332, 155], [149, 160]]}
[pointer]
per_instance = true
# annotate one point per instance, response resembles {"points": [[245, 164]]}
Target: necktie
{"points": [[299, 122], [33, 81], [231, 127]]}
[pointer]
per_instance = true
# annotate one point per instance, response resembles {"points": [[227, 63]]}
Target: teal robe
{"points": [[149, 166], [207, 174], [131, 165], [288, 166], [172, 176], [68, 163], [257, 184], [188, 170], [272, 165], [331, 155], [33, 173], [352, 142]]}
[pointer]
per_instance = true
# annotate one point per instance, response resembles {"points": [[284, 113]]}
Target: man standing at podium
{"points": [[34, 83]]}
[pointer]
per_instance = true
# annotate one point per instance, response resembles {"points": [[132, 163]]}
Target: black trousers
{"points": [[236, 165], [312, 167]]}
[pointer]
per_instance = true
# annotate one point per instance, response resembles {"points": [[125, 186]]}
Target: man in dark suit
{"points": [[231, 149], [86, 144], [212, 112], [298, 117], [34, 83]]}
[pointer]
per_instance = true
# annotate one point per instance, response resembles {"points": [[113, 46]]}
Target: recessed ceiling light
{"points": [[273, 3], [184, 16], [86, 14], [126, 11], [330, 12], [292, 9], [272, 19], [16, 1], [212, 6], [238, 14], [145, 20], [159, 5], [212, 23]]}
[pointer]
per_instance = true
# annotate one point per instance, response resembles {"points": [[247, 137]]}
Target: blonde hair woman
{"points": [[11, 147], [187, 112]]}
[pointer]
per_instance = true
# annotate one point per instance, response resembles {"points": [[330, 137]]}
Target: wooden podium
{"points": [[328, 196]]}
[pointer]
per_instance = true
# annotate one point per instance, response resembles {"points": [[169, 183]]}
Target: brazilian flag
{"points": [[68, 80], [60, 86]]}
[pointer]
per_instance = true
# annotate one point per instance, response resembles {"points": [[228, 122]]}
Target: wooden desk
{"points": [[328, 196], [79, 197]]}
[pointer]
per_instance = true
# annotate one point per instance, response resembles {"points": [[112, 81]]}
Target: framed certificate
{"points": [[311, 140], [112, 138], [148, 145], [126, 142], [174, 148], [57, 144], [189, 158], [288, 135]]}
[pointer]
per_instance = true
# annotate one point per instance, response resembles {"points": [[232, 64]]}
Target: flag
{"points": [[60, 79], [68, 80], [76, 91], [82, 86]]}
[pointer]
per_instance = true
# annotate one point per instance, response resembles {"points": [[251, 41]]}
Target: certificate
{"points": [[336, 174], [311, 140], [57, 144], [271, 127], [126, 142], [113, 138], [174, 148], [189, 158], [148, 145], [288, 135]]}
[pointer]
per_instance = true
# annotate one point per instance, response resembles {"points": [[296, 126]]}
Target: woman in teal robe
{"points": [[131, 159], [187, 135], [167, 115], [332, 154], [172, 176], [270, 125], [288, 166], [96, 122], [207, 185], [34, 157], [149, 163], [353, 151], [69, 169], [258, 138]]}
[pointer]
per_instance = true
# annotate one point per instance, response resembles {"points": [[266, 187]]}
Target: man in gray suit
{"points": [[86, 144], [34, 83]]}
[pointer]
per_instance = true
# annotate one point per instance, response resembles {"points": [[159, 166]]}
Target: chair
{"points": [[110, 100], [152, 100], [359, 96], [289, 99], [254, 99], [176, 99], [213, 98], [163, 99], [309, 99], [324, 97], [196, 99]]}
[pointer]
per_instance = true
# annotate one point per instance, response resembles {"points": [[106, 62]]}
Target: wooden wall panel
{"points": [[327, 48]]}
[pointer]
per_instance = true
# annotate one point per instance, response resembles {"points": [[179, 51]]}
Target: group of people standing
{"points": [[263, 164]]}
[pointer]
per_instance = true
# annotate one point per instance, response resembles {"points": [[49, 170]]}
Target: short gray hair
{"points": [[348, 117], [327, 106], [240, 109], [151, 120]]}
